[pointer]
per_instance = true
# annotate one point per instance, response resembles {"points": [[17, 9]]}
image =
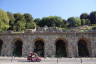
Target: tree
{"points": [[84, 16], [19, 26], [31, 25], [85, 22], [29, 21], [3, 26], [85, 19], [45, 21], [4, 21], [92, 17], [65, 23], [11, 20], [19, 23], [18, 17], [56, 21], [28, 17], [51, 21], [4, 16], [37, 21], [74, 21]]}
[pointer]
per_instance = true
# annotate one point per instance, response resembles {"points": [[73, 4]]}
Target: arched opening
{"points": [[1, 43], [17, 48], [61, 48], [83, 48], [39, 48]]}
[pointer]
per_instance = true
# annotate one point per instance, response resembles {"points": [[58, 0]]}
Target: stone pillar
{"points": [[75, 48], [6, 47], [10, 48], [72, 47], [25, 48], [93, 48], [50, 47], [28, 46]]}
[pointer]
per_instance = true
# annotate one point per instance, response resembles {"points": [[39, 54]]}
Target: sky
{"points": [[44, 8]]}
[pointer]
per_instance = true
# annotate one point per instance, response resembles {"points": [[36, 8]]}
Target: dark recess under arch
{"points": [[17, 48], [83, 48], [1, 43], [61, 48], [39, 48]]}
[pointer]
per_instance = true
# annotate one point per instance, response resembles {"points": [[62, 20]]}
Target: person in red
{"points": [[29, 56], [33, 57]]}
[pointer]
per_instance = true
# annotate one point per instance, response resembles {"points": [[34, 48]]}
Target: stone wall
{"points": [[49, 39]]}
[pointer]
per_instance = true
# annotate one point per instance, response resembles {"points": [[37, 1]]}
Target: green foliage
{"points": [[20, 22], [84, 16], [3, 26], [29, 21], [93, 17], [4, 21], [4, 16], [30, 25], [10, 16], [64, 24], [37, 21], [85, 19], [51, 21], [28, 17], [19, 26], [18, 16], [74, 22], [11, 20], [85, 22]]}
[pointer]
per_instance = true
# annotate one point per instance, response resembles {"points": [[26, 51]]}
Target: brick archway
{"points": [[1, 43], [61, 47], [84, 47], [39, 47], [17, 51]]}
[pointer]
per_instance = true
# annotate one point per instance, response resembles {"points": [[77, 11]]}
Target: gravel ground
{"points": [[22, 60]]}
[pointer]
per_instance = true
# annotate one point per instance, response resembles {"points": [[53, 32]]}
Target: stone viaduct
{"points": [[49, 44]]}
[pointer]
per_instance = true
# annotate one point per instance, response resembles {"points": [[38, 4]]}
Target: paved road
{"points": [[16, 60]]}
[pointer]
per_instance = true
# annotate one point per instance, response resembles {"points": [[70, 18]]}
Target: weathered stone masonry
{"points": [[71, 40]]}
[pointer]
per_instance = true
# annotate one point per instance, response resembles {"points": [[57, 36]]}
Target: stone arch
{"points": [[1, 44], [39, 47], [61, 47], [17, 47], [84, 47]]}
